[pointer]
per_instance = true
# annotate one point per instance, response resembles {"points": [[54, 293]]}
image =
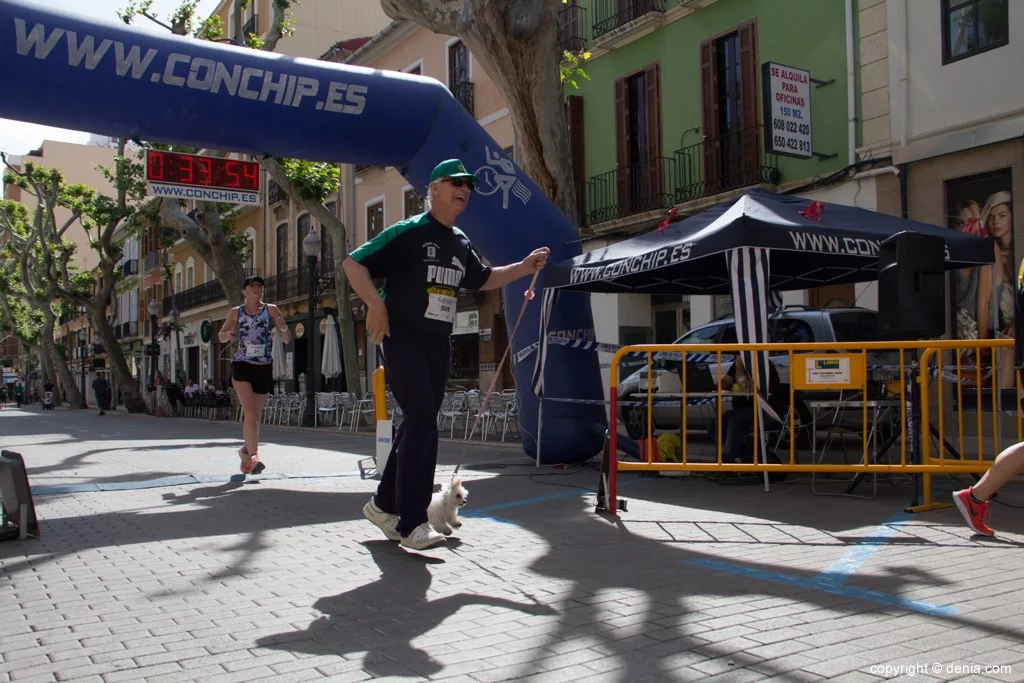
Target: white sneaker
{"points": [[422, 537], [384, 521]]}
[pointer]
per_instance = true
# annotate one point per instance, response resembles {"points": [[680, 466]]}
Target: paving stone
{"points": [[282, 578]]}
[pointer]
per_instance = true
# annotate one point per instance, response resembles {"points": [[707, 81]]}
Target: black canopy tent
{"points": [[758, 243], [840, 248]]}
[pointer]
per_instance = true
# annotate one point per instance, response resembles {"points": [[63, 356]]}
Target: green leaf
{"points": [[315, 180]]}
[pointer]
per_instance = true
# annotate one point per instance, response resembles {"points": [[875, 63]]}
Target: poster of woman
{"points": [[985, 297]]}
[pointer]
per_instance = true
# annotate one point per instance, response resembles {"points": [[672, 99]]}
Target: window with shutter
{"points": [[282, 248], [413, 206], [302, 228], [374, 220], [729, 110], [639, 174]]}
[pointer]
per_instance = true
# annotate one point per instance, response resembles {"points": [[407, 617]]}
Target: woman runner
{"points": [[252, 372]]}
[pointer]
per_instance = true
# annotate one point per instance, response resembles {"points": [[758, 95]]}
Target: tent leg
{"points": [[540, 425]]}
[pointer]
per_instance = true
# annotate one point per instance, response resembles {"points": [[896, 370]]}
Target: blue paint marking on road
{"points": [[483, 512], [828, 586], [832, 579], [848, 564], [181, 480]]}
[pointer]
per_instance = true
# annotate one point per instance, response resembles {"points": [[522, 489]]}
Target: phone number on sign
{"points": [[892, 670]]}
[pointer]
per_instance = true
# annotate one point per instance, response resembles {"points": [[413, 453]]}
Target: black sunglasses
{"points": [[459, 182]]}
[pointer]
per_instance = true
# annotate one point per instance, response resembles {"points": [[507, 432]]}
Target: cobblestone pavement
{"points": [[156, 564]]}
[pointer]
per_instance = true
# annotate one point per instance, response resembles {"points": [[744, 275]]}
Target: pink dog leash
{"points": [[527, 297]]}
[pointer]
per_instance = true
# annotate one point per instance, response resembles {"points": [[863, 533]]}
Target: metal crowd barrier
{"points": [[923, 387]]}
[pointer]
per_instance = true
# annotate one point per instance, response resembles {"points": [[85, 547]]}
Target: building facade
{"points": [[957, 135], [689, 104], [192, 306], [381, 196]]}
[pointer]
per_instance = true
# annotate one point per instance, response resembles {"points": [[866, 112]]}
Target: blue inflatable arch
{"points": [[75, 72]]}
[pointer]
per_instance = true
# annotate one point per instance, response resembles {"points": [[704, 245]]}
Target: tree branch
{"points": [[440, 16], [172, 217], [277, 19]]}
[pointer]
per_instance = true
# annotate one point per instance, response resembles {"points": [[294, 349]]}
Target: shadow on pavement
{"points": [[383, 617], [588, 562]]}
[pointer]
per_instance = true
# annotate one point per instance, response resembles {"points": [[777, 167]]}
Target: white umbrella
{"points": [[277, 353], [330, 366]]}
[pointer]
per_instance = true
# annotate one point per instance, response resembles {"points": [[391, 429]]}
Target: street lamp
{"points": [[154, 308], [81, 347], [311, 248], [174, 348]]}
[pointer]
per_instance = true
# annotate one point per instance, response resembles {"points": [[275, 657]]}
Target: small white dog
{"points": [[443, 511]]}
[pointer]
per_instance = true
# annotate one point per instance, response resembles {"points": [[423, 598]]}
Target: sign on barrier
{"points": [[384, 437], [832, 371]]}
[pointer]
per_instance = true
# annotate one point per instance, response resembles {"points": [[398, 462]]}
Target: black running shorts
{"points": [[260, 376]]}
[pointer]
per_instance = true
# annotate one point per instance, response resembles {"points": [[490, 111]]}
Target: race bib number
{"points": [[255, 350], [440, 305]]}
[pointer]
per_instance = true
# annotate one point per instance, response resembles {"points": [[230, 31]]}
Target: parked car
{"points": [[791, 324]]}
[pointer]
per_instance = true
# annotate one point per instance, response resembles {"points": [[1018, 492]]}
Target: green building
{"points": [[689, 103]]}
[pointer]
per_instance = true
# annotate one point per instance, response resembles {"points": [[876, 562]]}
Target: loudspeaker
{"points": [[912, 286], [17, 512]]}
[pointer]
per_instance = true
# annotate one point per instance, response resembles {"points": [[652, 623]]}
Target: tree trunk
{"points": [[336, 227], [516, 42], [118, 365], [206, 234], [47, 371], [67, 381]]}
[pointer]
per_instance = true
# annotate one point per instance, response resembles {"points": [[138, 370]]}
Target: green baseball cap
{"points": [[452, 168]]}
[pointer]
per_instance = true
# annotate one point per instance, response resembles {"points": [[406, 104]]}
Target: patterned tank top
{"points": [[254, 337]]}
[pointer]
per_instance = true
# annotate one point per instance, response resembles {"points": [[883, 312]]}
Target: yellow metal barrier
{"points": [[380, 399], [877, 373]]}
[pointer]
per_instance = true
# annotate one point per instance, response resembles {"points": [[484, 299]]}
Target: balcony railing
{"points": [[283, 285], [735, 159], [293, 284], [573, 20], [250, 27], [196, 296], [612, 14], [151, 261], [463, 92], [638, 187], [706, 168], [275, 193], [126, 330], [129, 267]]}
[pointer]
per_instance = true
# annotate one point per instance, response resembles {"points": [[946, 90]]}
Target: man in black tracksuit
{"points": [[424, 261]]}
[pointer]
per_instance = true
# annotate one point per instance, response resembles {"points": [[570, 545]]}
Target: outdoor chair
{"points": [[346, 406], [456, 409], [363, 408], [326, 405]]}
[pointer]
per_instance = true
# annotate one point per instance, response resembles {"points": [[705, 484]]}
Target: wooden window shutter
{"points": [[748, 116], [709, 114], [576, 153], [621, 145], [655, 173]]}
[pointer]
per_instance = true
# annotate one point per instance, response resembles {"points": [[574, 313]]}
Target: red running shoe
{"points": [[974, 512]]}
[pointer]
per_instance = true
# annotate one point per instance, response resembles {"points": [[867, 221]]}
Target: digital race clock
{"points": [[196, 171]]}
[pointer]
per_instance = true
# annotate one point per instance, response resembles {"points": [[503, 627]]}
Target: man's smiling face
{"points": [[453, 194]]}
